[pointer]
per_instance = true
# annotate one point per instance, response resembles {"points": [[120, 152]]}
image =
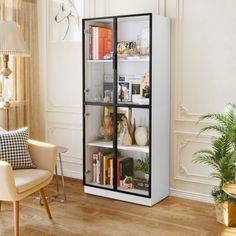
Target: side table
{"points": [[54, 197]]}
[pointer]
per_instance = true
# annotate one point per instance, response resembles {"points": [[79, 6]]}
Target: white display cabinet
{"points": [[126, 107]]}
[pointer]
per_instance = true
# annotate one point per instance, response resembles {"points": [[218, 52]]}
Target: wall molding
{"points": [[181, 172], [182, 112], [191, 195]]}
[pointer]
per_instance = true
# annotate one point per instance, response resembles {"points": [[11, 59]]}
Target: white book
{"points": [[94, 168]]}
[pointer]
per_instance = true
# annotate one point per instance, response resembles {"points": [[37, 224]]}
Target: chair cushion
{"points": [[26, 179], [14, 149]]}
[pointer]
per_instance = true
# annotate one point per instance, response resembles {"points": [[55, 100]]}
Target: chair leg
{"points": [[0, 205], [45, 203], [16, 217]]}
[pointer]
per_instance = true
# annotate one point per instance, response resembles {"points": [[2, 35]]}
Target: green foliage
{"points": [[225, 123], [143, 165], [220, 196], [222, 156]]}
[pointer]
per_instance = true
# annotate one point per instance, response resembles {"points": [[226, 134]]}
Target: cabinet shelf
{"points": [[133, 190], [99, 61], [122, 60], [134, 105], [101, 185], [109, 144]]}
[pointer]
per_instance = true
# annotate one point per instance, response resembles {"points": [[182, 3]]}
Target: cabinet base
{"points": [[119, 196]]}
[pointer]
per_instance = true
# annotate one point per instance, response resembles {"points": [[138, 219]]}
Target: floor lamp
{"points": [[11, 44]]}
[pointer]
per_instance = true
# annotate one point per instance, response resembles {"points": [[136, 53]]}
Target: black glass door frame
{"points": [[115, 104]]}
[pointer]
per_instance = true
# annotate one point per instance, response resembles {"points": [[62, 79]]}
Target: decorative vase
{"points": [[141, 136], [226, 213]]}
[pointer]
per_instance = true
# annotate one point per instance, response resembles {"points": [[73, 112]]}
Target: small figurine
{"points": [[121, 93], [128, 182], [132, 126], [127, 140], [107, 129]]}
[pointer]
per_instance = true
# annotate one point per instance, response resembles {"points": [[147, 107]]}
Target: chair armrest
{"points": [[7, 182], [43, 155]]}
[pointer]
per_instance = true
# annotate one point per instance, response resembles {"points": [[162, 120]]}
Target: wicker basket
{"points": [[226, 213]]}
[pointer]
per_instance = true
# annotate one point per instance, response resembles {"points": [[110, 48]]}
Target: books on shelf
{"points": [[125, 167], [103, 168], [100, 43]]}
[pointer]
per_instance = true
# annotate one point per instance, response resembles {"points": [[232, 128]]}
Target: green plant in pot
{"points": [[222, 158], [143, 166]]}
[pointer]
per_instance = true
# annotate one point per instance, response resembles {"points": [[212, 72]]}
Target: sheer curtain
{"points": [[25, 110]]}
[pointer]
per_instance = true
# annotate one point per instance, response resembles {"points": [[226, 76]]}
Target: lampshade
{"points": [[11, 40]]}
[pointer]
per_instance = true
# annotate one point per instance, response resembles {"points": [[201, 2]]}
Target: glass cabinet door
{"points": [[133, 172], [99, 151], [133, 49], [117, 97], [98, 60]]}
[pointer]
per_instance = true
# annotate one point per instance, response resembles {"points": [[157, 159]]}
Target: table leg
{"points": [[57, 184], [62, 178]]}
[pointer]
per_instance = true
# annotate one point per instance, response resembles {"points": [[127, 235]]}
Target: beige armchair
{"points": [[18, 184]]}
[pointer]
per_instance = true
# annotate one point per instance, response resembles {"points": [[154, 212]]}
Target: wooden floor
{"points": [[85, 214]]}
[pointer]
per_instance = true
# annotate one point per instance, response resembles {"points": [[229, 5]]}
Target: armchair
{"points": [[20, 183]]}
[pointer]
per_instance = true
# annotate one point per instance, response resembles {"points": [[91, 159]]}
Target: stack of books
{"points": [[103, 168], [125, 167], [103, 171], [100, 43]]}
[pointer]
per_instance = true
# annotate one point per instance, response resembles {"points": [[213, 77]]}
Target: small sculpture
{"points": [[132, 127], [128, 182], [126, 138], [121, 93], [107, 129]]}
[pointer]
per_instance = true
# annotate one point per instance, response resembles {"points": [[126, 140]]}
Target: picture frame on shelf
{"points": [[135, 87], [108, 86]]}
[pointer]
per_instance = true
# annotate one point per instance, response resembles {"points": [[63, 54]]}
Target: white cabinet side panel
{"points": [[160, 107]]}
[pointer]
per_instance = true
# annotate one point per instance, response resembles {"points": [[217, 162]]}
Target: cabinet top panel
{"points": [[118, 16]]}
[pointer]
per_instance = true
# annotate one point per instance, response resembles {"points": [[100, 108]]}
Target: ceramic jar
{"points": [[141, 136]]}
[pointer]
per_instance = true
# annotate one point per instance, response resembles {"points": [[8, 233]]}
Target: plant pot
{"points": [[226, 213], [146, 177]]}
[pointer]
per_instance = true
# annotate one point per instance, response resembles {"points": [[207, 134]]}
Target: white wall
{"points": [[203, 59]]}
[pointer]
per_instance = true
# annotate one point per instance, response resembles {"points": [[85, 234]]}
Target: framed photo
{"points": [[65, 20], [136, 92]]}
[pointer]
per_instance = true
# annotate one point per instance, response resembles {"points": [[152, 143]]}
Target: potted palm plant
{"points": [[222, 158]]}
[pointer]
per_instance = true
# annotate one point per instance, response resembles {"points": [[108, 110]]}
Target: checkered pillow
{"points": [[14, 149]]}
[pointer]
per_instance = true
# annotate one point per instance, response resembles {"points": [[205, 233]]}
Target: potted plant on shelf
{"points": [[222, 158], [143, 166]]}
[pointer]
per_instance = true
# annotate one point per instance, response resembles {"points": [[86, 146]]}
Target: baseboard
{"points": [[191, 195], [74, 171]]}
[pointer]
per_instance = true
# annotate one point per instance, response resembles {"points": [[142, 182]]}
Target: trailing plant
{"points": [[143, 165], [222, 156]]}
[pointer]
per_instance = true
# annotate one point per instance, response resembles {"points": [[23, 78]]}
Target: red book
{"points": [[101, 42], [104, 42], [118, 173]]}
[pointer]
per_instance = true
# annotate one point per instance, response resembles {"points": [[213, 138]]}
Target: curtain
{"points": [[25, 108]]}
